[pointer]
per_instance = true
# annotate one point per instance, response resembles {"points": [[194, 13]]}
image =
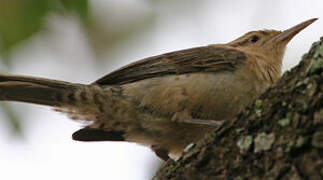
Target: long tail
{"points": [[36, 90]]}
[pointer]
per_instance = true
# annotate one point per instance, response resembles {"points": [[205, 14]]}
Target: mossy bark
{"points": [[279, 137]]}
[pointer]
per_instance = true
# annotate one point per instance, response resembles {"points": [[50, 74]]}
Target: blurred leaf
{"points": [[104, 35], [81, 7], [13, 119], [19, 19]]}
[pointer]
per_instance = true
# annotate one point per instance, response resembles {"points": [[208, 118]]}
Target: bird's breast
{"points": [[161, 101]]}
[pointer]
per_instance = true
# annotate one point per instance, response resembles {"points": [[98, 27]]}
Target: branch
{"points": [[279, 137]]}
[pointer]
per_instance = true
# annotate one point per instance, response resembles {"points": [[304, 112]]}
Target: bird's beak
{"points": [[287, 35]]}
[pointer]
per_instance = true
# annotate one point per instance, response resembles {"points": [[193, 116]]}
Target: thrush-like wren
{"points": [[166, 101]]}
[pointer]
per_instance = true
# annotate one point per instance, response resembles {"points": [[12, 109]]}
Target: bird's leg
{"points": [[185, 117], [208, 122]]}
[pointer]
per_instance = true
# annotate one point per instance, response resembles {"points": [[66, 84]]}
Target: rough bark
{"points": [[279, 137]]}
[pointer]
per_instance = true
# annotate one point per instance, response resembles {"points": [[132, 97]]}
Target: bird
{"points": [[168, 101]]}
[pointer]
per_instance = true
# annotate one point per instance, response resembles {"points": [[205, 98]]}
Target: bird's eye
{"points": [[254, 39]]}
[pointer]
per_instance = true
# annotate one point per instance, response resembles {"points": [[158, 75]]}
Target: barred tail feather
{"points": [[35, 90]]}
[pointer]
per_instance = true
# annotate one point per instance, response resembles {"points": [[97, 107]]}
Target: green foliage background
{"points": [[22, 19]]}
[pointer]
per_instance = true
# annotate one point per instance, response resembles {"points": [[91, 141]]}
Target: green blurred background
{"points": [[20, 20]]}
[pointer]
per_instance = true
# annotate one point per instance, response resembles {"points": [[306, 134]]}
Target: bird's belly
{"points": [[205, 96]]}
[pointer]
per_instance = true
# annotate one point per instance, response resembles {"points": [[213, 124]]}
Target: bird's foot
{"points": [[208, 122]]}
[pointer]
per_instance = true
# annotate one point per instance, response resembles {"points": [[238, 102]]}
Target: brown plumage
{"points": [[165, 101]]}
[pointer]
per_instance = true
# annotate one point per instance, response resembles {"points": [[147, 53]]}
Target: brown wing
{"points": [[200, 59]]}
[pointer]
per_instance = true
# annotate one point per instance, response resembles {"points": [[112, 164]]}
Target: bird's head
{"points": [[269, 42], [268, 45]]}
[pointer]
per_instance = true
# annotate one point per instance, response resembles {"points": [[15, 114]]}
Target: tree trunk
{"points": [[279, 137]]}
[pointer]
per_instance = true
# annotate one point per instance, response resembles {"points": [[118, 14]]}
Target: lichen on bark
{"points": [[288, 121]]}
